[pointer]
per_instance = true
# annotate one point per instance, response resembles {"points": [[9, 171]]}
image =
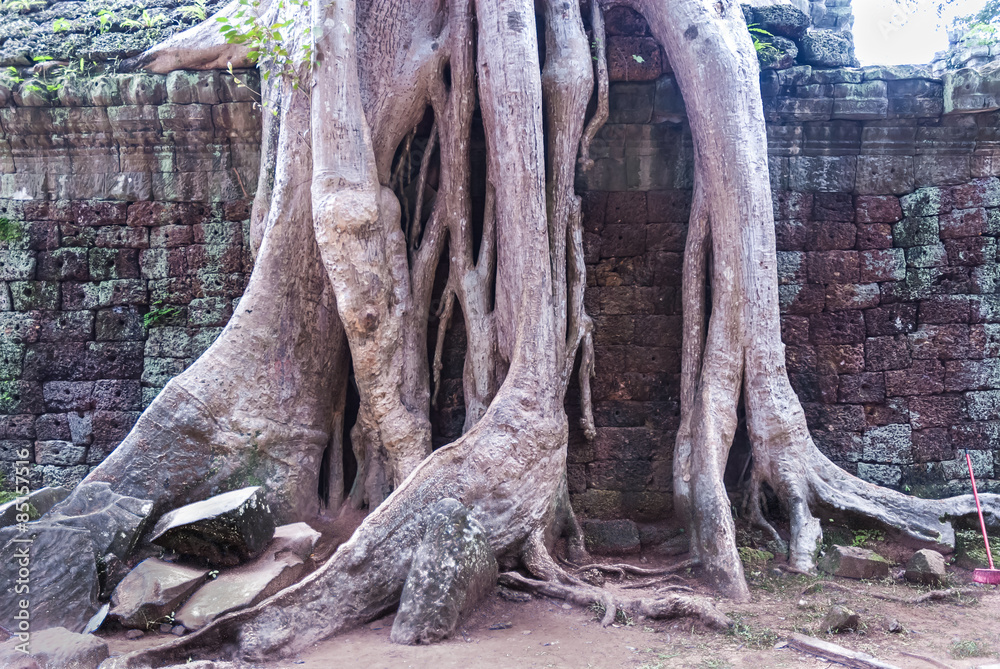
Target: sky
{"points": [[888, 33]]}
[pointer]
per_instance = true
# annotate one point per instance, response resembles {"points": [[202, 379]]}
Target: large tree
{"points": [[345, 273]]}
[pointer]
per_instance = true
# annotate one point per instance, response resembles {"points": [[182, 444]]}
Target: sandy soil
{"points": [[549, 633]]}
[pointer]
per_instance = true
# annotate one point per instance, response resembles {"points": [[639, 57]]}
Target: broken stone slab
{"points": [[152, 591], [114, 521], [676, 545], [453, 569], [55, 648], [854, 562], [611, 537], [224, 530], [39, 503], [839, 619], [281, 565], [926, 566], [826, 48], [62, 575]]}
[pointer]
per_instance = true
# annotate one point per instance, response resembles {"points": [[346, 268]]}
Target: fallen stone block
{"points": [[224, 530], [55, 648], [853, 562], [454, 568], [114, 521], [839, 619], [62, 575], [152, 591], [284, 561], [926, 566], [611, 537]]}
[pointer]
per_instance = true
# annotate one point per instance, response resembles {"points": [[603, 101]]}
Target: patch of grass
{"points": [[158, 314], [970, 550], [863, 538], [754, 558], [752, 637], [661, 661], [9, 230], [970, 648], [715, 664], [622, 616]]}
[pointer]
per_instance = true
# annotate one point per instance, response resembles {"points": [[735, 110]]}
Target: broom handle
{"points": [[979, 510]]}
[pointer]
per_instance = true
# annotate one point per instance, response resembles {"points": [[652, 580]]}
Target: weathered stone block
{"points": [[63, 575], [67, 326], [620, 20], [830, 235], [880, 174], [886, 353], [112, 426], [945, 309], [982, 405], [801, 299], [944, 411], [834, 267], [963, 223], [117, 395], [794, 329], [791, 267], [926, 566], [122, 323], [99, 213], [854, 562], [882, 265], [923, 377], [453, 569], [188, 87], [972, 374], [113, 360], [825, 48], [883, 475], [223, 530], [63, 453], [62, 264], [822, 174], [32, 295], [874, 236], [633, 58], [17, 265], [152, 591], [916, 231], [943, 342], [861, 388], [281, 565], [841, 296], [847, 327], [931, 255], [105, 263], [984, 341]]}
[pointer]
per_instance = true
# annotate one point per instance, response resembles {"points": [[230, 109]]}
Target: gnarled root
{"points": [[670, 605]]}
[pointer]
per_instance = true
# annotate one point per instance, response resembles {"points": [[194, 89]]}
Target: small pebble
{"points": [[134, 634], [165, 628], [566, 606], [501, 626], [526, 632], [178, 630]]}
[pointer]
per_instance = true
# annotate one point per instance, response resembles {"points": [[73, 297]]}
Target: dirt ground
{"points": [[960, 632]]}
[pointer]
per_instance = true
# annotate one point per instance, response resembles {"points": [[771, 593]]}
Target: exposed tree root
{"points": [[930, 596], [621, 569], [668, 606]]}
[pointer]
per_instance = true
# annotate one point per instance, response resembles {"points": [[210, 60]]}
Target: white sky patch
{"points": [[888, 33]]}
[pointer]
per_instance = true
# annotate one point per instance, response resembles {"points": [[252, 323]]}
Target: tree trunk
{"points": [[336, 270]]}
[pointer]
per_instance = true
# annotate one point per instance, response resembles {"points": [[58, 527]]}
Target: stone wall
{"points": [[124, 221], [130, 197], [887, 215]]}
